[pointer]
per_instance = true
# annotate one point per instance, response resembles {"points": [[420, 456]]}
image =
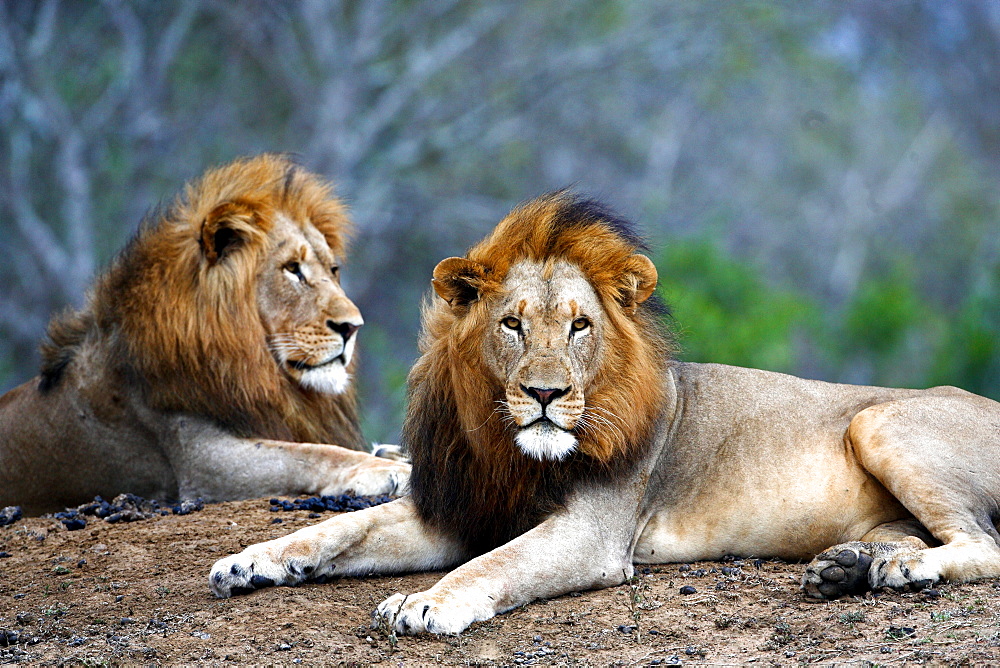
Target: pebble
{"points": [[337, 503], [4, 555], [75, 524], [688, 589], [9, 515]]}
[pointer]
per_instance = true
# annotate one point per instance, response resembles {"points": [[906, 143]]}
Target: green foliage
{"points": [[726, 312], [968, 354], [886, 334]]}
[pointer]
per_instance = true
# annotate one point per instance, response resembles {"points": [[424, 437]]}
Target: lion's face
{"points": [[544, 343], [310, 323]]}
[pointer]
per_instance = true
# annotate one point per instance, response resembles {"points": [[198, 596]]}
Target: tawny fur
{"points": [[469, 477], [185, 372], [193, 334], [881, 487]]}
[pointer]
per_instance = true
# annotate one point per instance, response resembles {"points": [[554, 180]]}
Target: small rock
{"points": [[624, 628], [9, 515], [75, 524], [688, 589], [899, 632], [284, 647]]}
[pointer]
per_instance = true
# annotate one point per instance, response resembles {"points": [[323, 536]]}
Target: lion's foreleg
{"points": [[217, 465], [577, 549], [390, 538]]}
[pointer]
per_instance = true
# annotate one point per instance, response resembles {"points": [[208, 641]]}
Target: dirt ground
{"points": [[137, 593]]}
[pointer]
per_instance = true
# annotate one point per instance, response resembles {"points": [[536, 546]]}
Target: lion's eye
{"points": [[295, 270], [512, 323], [335, 271], [580, 324]]}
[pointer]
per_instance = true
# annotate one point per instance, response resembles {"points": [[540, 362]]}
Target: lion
{"points": [[212, 359], [556, 442]]}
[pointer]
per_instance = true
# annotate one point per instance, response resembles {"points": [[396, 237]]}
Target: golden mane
{"points": [[468, 476], [183, 321]]}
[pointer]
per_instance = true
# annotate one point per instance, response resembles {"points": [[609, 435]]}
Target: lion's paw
{"points": [[426, 612], [382, 476], [908, 570], [841, 570], [393, 452], [255, 568]]}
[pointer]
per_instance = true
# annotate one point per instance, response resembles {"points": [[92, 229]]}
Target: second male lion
{"points": [[213, 359], [555, 443]]}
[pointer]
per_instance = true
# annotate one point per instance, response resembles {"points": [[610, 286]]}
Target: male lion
{"points": [[555, 443], [211, 359]]}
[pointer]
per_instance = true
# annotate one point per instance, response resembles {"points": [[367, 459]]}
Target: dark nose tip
{"points": [[345, 329], [545, 395]]}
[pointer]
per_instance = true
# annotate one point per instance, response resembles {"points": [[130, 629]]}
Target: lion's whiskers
{"points": [[501, 408], [593, 421]]}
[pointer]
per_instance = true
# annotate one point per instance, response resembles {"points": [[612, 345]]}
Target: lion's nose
{"points": [[545, 395], [345, 329]]}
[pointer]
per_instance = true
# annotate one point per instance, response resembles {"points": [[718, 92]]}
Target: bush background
{"points": [[818, 180]]}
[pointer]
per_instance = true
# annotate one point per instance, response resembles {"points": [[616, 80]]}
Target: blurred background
{"points": [[818, 181]]}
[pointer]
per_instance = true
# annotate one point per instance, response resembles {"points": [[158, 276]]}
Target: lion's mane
{"points": [[469, 478], [186, 331]]}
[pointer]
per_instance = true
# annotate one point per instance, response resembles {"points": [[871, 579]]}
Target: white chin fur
{"points": [[543, 440], [330, 379]]}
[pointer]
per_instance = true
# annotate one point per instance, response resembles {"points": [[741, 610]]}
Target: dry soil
{"points": [[137, 593]]}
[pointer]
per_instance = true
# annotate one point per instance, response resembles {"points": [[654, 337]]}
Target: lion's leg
{"points": [[940, 457], [390, 538], [843, 569], [216, 465], [585, 546]]}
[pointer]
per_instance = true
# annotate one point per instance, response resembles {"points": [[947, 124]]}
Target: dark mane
{"points": [[469, 478]]}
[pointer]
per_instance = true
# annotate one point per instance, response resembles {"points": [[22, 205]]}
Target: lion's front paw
{"points": [[840, 570], [908, 570], [255, 568], [375, 478], [426, 612]]}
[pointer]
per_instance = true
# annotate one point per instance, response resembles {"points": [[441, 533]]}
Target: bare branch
{"points": [[121, 86], [41, 242], [24, 324]]}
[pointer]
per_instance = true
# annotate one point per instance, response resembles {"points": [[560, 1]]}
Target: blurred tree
{"points": [[816, 145]]}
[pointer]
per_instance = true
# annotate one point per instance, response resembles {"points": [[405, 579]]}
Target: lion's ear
{"points": [[459, 281], [225, 229], [643, 276]]}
